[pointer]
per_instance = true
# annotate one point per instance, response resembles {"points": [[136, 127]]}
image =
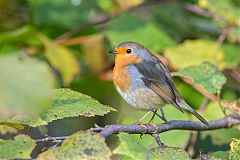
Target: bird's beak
{"points": [[113, 52]]}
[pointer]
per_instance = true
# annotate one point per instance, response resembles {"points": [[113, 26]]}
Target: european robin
{"points": [[144, 82]]}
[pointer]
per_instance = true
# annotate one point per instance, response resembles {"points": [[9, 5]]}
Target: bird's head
{"points": [[128, 53]]}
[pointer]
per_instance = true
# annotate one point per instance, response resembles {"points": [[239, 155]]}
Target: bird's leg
{"points": [[140, 122], [162, 116], [151, 122]]}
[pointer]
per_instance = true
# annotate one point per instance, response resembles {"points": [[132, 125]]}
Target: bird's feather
{"points": [[157, 77]]}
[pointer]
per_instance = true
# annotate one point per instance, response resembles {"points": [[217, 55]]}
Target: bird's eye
{"points": [[129, 51]]}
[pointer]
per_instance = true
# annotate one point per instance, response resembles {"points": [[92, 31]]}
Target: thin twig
{"points": [[159, 142], [191, 143], [73, 31], [204, 103], [54, 139], [197, 10], [220, 41], [220, 104]]}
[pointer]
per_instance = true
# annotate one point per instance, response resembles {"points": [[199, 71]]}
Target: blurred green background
{"points": [[64, 43]]}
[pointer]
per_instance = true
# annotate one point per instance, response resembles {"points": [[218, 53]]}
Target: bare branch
{"points": [[197, 10], [220, 41], [157, 139], [226, 122]]}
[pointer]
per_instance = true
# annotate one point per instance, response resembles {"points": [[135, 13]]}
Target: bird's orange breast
{"points": [[121, 75]]}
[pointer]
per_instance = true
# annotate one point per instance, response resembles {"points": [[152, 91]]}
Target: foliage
{"points": [[62, 59], [28, 86], [46, 46], [235, 149], [67, 103], [205, 75], [171, 153], [20, 147], [138, 31], [137, 149], [81, 145], [179, 55]]}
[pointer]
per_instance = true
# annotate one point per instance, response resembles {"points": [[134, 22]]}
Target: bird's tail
{"points": [[182, 104]]}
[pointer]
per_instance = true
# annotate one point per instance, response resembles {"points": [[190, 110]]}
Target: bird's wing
{"points": [[157, 77]]}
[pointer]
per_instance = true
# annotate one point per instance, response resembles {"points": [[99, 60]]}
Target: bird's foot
{"points": [[155, 126], [143, 126]]}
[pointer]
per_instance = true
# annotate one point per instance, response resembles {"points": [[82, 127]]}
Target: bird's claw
{"points": [[150, 123], [143, 126], [155, 126]]}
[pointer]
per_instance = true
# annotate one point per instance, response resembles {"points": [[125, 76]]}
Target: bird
{"points": [[145, 82]]}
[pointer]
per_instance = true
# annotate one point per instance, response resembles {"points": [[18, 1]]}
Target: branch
{"points": [[53, 139], [197, 10], [107, 131], [226, 122], [56, 141]]}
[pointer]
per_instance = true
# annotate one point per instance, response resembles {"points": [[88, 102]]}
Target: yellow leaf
{"points": [[61, 58], [194, 52], [126, 4], [94, 52]]}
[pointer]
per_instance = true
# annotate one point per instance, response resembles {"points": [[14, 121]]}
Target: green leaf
{"points": [[107, 5], [171, 153], [20, 121], [53, 12], [62, 59], [123, 157], [205, 75], [135, 148], [213, 111], [16, 35], [25, 84], [179, 23], [194, 52], [185, 90], [19, 148], [68, 103], [128, 27], [81, 145], [219, 155], [232, 57]]}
